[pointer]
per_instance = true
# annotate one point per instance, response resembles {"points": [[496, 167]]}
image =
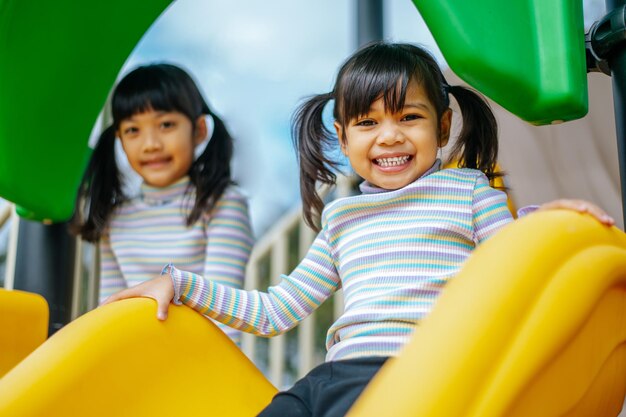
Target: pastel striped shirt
{"points": [[148, 231], [392, 252]]}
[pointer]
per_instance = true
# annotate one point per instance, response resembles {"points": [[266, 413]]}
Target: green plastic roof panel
{"points": [[58, 61], [526, 55]]}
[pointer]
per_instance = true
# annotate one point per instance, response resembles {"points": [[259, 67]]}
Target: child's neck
{"points": [[166, 193]]}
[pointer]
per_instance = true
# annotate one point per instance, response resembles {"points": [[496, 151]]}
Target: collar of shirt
{"points": [[162, 195]]}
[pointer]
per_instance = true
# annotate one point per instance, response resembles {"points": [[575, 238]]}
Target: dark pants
{"points": [[329, 390]]}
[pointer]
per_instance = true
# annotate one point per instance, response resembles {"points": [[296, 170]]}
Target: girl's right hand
{"points": [[580, 206], [160, 289]]}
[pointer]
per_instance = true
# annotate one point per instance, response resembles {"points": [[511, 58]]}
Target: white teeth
{"points": [[390, 162]]}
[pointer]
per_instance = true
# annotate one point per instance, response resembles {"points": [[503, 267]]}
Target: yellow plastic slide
{"points": [[534, 325], [23, 326], [119, 360]]}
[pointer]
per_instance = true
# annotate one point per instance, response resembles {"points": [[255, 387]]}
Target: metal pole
{"points": [[617, 63], [44, 264], [369, 21]]}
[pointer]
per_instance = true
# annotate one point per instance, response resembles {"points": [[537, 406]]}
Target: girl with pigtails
{"points": [[393, 248], [188, 211]]}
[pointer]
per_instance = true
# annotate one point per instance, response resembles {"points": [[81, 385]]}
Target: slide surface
{"points": [[534, 325], [23, 326], [119, 360]]}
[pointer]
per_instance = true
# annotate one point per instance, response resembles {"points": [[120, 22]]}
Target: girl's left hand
{"points": [[580, 206], [160, 289]]}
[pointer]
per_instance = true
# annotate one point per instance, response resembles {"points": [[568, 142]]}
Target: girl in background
{"points": [[188, 211], [391, 249]]}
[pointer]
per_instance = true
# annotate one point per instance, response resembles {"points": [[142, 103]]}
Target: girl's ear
{"points": [[444, 127], [342, 143], [200, 131]]}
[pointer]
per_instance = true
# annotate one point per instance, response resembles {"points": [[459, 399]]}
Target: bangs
{"points": [[145, 90], [385, 77], [384, 70]]}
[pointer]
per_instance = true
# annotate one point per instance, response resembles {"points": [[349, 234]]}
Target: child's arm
{"points": [[111, 277], [266, 314], [490, 211]]}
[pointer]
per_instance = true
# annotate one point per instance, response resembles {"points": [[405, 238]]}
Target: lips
{"points": [[156, 162]]}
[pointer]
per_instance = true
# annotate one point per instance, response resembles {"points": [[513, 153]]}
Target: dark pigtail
{"points": [[477, 144], [100, 190], [210, 173], [312, 139]]}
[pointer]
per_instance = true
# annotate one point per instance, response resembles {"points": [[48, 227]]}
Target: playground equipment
{"points": [[535, 48], [511, 336], [23, 326], [535, 324], [120, 360], [59, 60]]}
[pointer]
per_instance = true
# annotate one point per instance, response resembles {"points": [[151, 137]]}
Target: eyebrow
{"points": [[417, 105]]}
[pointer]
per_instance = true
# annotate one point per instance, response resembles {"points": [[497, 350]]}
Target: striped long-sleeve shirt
{"points": [[148, 231], [392, 252]]}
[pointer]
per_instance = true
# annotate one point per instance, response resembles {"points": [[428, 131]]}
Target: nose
{"points": [[390, 134], [152, 141]]}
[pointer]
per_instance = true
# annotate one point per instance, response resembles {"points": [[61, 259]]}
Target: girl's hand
{"points": [[160, 289], [580, 206]]}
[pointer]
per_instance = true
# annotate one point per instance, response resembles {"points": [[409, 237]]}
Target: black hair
{"points": [[159, 87], [384, 70]]}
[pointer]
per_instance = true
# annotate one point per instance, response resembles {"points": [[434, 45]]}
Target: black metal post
{"points": [[45, 265], [369, 21], [617, 63]]}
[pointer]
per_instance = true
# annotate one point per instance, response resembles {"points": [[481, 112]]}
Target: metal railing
{"points": [[8, 214]]}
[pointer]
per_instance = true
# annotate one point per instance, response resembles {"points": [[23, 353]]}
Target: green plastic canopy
{"points": [[526, 55], [58, 61]]}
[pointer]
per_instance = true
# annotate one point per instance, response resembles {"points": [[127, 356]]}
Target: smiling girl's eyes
{"points": [[365, 122], [411, 116]]}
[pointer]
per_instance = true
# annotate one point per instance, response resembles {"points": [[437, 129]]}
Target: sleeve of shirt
{"points": [[263, 314], [229, 243], [111, 277], [526, 210], [489, 210]]}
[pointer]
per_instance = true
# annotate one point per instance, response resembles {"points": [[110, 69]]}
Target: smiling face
{"points": [[391, 150], [159, 145]]}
